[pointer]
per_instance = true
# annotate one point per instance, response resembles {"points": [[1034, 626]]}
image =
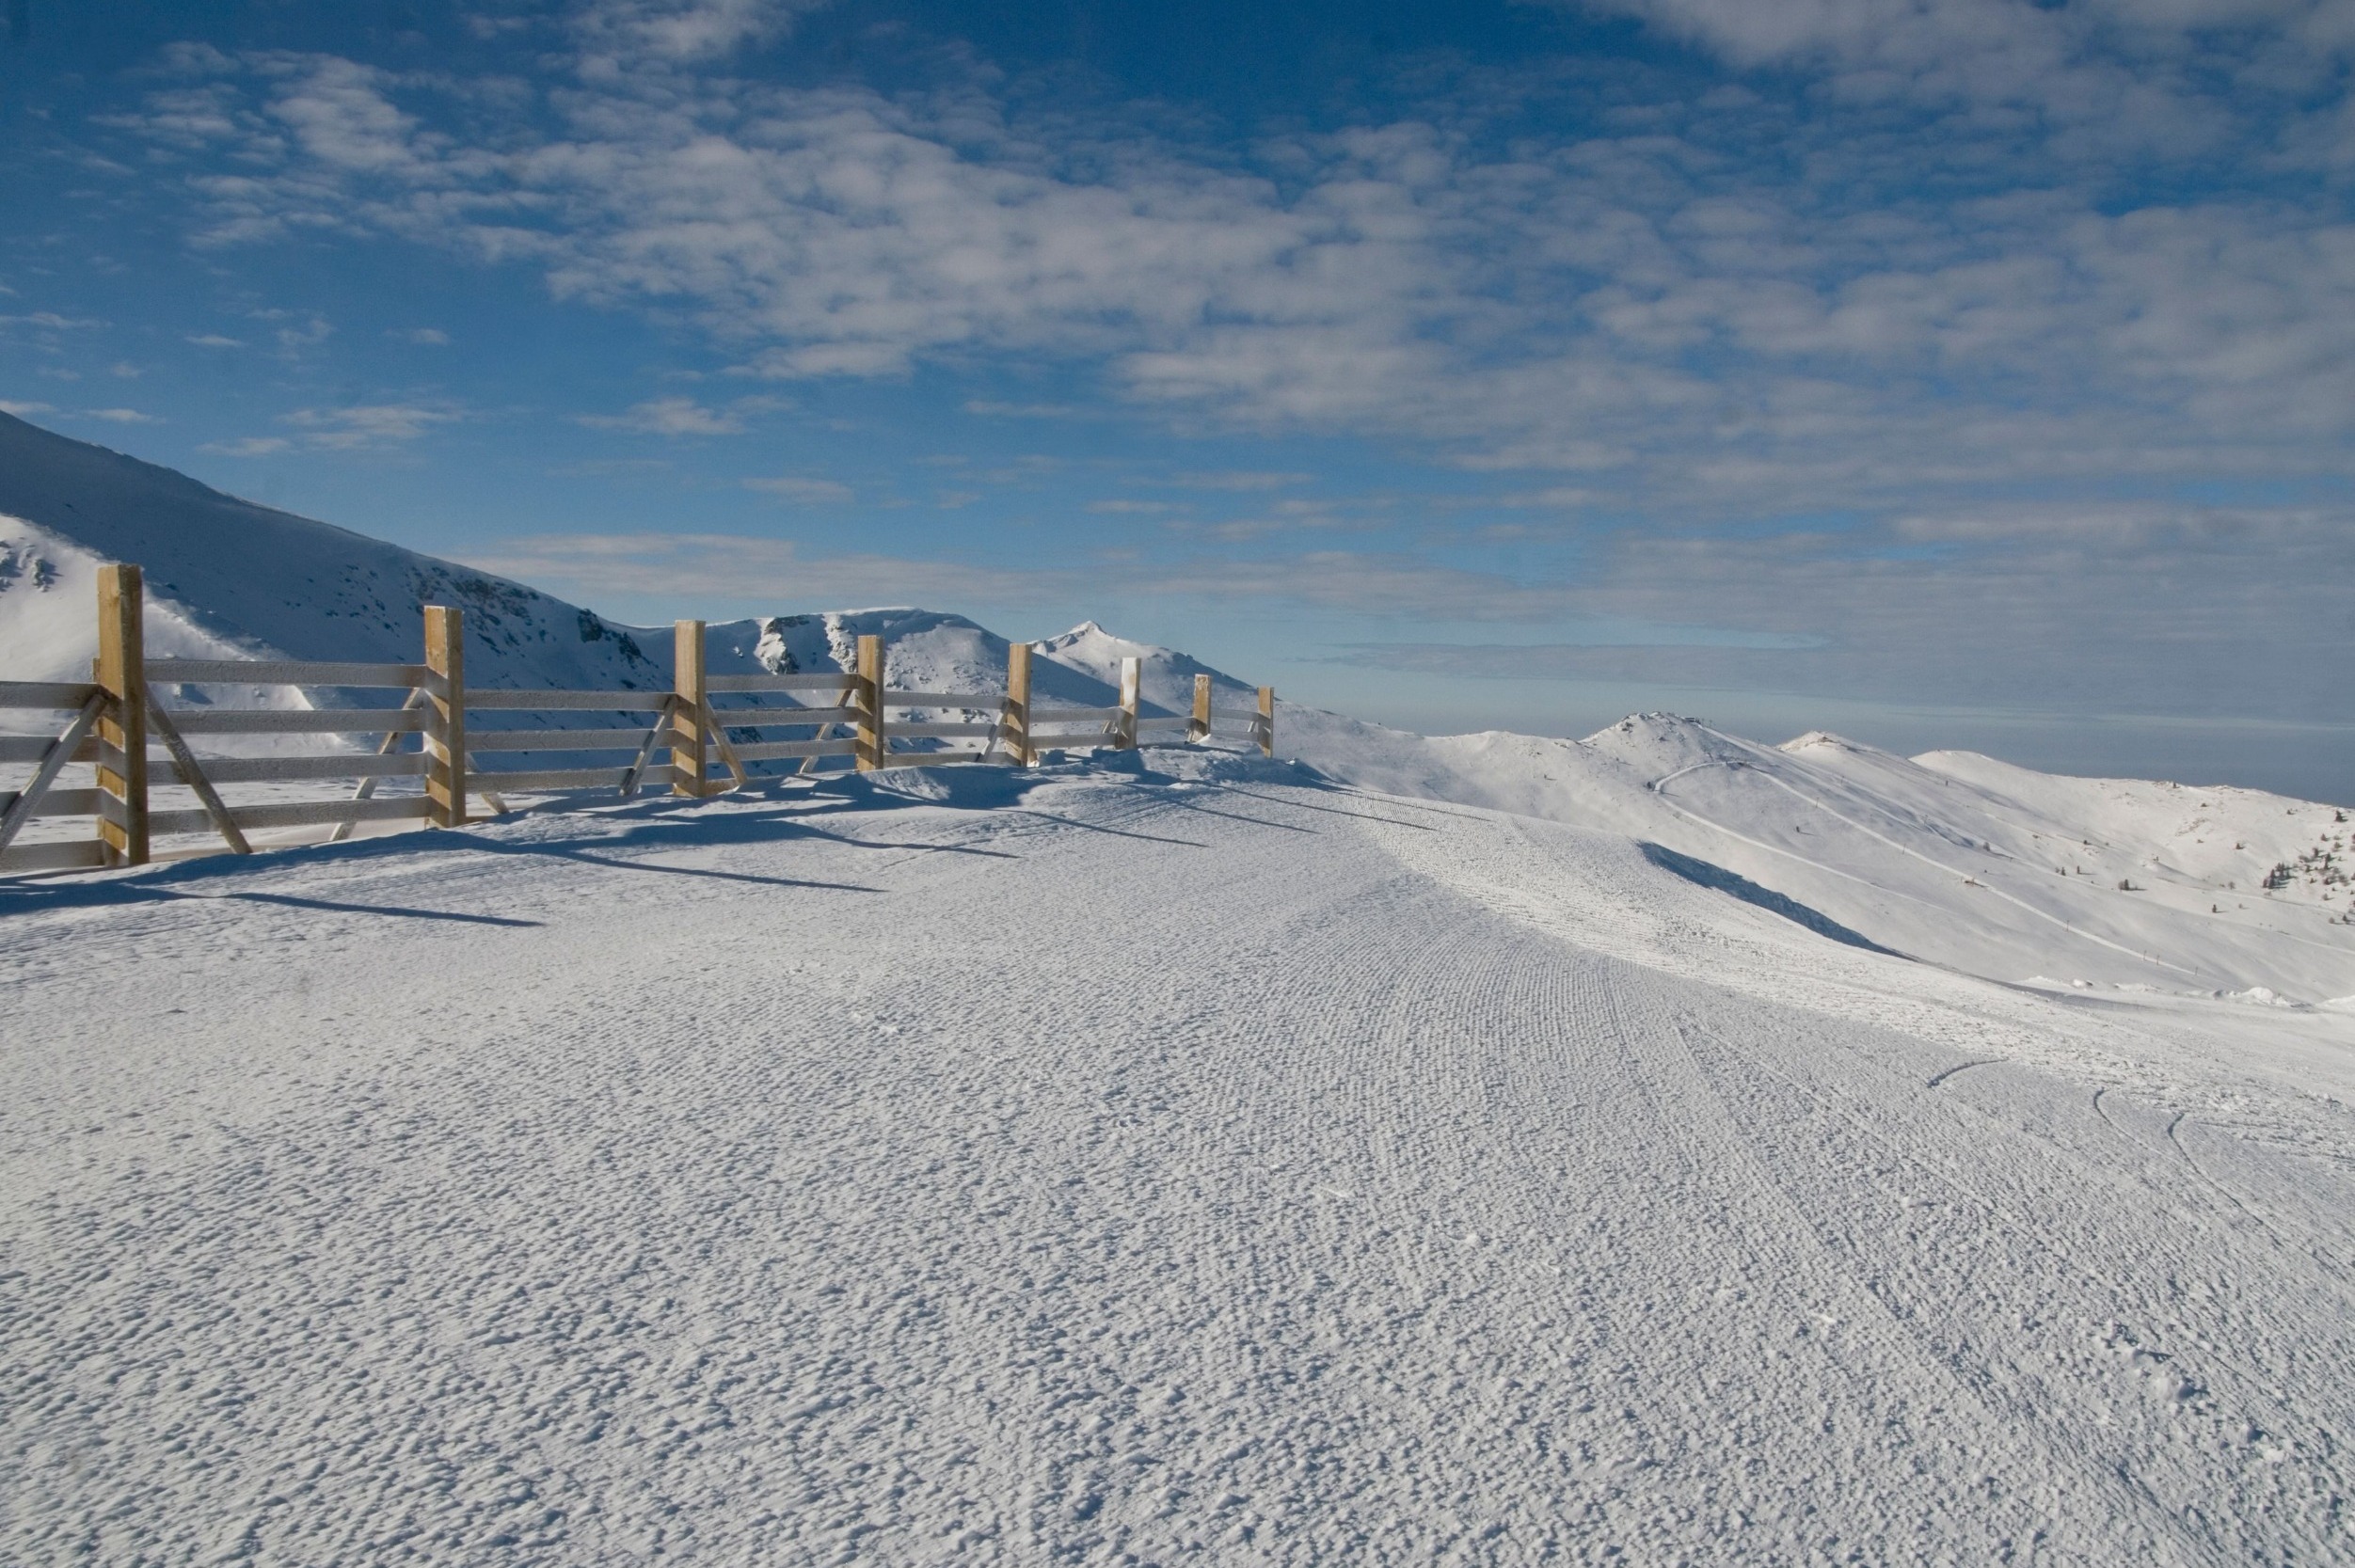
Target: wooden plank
{"points": [[635, 774], [1237, 714], [1198, 725], [122, 723], [192, 774], [960, 758], [979, 702], [27, 803], [1014, 717], [412, 765], [28, 748], [278, 671], [413, 704], [480, 741], [782, 717], [556, 778], [768, 750], [809, 763], [481, 698], [690, 692], [870, 701], [445, 707], [61, 695], [304, 814], [301, 814], [321, 721], [1072, 715], [943, 731], [844, 682], [1267, 720], [1166, 721], [66, 802], [78, 855], [727, 750]]}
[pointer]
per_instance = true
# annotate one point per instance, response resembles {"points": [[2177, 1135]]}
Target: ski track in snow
{"points": [[1223, 1170]]}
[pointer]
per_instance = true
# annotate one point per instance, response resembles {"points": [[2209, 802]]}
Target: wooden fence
{"points": [[673, 740]]}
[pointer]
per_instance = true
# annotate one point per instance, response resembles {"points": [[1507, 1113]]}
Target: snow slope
{"points": [[229, 579], [1953, 859], [1196, 1162]]}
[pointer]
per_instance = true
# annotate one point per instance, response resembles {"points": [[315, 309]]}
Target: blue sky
{"points": [[1967, 372]]}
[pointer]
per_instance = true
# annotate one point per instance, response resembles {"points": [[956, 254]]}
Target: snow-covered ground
{"points": [[2113, 885], [1660, 1146], [1199, 1160]]}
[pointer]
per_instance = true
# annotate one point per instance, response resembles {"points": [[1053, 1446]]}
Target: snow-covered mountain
{"points": [[227, 579], [1951, 858]]}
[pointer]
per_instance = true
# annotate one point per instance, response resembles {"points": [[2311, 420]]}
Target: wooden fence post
{"points": [[445, 715], [1124, 731], [687, 739], [121, 675], [1199, 727], [870, 703], [1015, 725], [1267, 720]]}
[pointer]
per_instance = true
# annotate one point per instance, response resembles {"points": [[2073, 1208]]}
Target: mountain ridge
{"points": [[1950, 857]]}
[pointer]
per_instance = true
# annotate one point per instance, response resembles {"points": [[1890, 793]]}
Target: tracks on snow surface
{"points": [[1263, 1174]]}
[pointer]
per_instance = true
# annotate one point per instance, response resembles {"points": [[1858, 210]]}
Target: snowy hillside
{"points": [[227, 579], [1949, 858]]}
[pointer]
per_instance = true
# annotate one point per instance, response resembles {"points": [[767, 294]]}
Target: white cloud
{"points": [[2101, 73], [213, 340], [1240, 479], [433, 335], [119, 416], [368, 425], [766, 573], [1912, 259], [993, 408], [775, 572], [23, 410], [1544, 309], [669, 417], [360, 428], [619, 33], [802, 490], [293, 339]]}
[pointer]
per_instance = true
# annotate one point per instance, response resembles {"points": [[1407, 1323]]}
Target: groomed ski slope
{"points": [[1205, 1164]]}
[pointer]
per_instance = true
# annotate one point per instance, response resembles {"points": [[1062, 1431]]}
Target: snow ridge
{"points": [[1957, 858]]}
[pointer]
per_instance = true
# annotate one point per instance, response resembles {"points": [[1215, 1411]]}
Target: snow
{"points": [[1657, 1146], [1197, 1161], [1951, 858]]}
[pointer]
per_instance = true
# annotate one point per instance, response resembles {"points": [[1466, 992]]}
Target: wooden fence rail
{"points": [[116, 719]]}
